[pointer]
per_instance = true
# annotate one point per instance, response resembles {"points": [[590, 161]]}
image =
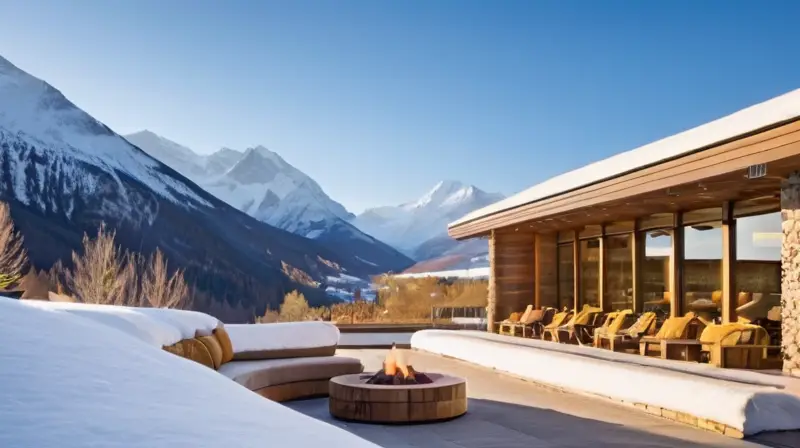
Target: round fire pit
{"points": [[353, 399]]}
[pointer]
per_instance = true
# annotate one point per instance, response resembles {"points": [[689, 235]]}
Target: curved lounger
{"points": [[290, 378]]}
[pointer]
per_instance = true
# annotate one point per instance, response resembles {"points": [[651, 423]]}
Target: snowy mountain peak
{"points": [[42, 131], [226, 152], [413, 223], [257, 166], [447, 193], [257, 181]]}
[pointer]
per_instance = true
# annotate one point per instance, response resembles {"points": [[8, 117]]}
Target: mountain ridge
{"points": [[263, 185], [63, 172]]}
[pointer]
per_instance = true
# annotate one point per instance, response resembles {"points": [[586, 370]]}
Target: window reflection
{"points": [[702, 271], [655, 272], [618, 285], [758, 270]]}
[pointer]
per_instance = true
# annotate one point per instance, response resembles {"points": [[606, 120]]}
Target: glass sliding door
{"points": [[618, 285], [655, 272], [590, 272]]}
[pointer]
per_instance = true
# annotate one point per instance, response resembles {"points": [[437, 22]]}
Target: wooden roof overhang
{"points": [[704, 178]]}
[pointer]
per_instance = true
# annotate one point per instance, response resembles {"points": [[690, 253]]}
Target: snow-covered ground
{"points": [[343, 288], [70, 381], [476, 273], [748, 401]]}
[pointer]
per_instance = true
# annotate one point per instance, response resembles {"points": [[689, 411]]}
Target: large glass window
{"points": [[702, 270], [618, 285], [590, 272], [566, 276], [758, 266], [655, 272]]}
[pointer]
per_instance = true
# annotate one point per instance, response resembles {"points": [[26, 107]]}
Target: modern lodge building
{"points": [[706, 221]]}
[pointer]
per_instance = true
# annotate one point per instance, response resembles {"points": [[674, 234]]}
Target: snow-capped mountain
{"points": [[419, 228], [63, 172], [262, 184]]}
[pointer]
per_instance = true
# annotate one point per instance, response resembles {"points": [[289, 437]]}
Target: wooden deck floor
{"points": [[505, 412]]}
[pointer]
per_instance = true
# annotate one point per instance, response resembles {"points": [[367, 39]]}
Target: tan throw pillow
{"points": [[214, 349], [225, 342], [196, 351], [175, 349]]}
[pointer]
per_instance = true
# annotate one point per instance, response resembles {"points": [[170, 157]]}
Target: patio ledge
{"points": [[734, 403]]}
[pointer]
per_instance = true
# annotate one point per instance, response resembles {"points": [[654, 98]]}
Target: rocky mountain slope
{"points": [[262, 184], [63, 173]]}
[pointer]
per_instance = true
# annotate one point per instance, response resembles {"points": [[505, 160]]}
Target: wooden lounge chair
{"points": [[622, 320], [550, 330], [527, 326], [584, 334], [537, 328], [676, 339], [513, 319], [587, 316], [629, 338], [735, 345]]}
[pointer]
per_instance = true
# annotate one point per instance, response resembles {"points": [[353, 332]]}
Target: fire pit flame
{"points": [[396, 371]]}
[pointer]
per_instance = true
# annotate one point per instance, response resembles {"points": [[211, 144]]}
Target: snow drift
{"points": [[158, 327], [68, 381]]}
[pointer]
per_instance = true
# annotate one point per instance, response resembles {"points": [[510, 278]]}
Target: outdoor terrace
{"points": [[508, 412]]}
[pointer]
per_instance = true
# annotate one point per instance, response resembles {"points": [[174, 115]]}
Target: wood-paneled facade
{"points": [[605, 224]]}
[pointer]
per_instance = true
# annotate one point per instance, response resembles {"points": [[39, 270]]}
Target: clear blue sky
{"points": [[378, 100]]}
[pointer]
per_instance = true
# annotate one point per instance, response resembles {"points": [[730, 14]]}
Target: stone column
{"points": [[491, 305], [790, 266]]}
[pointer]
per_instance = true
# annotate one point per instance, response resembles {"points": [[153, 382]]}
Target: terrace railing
{"points": [[467, 317]]}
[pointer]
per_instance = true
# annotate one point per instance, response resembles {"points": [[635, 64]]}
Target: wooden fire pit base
{"points": [[353, 400]]}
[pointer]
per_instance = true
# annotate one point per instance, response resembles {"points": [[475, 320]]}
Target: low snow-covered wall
{"points": [[745, 401], [283, 340], [156, 326]]}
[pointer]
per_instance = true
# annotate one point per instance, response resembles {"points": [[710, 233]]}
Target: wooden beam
{"points": [[676, 266], [491, 306], [729, 299], [537, 272], [601, 267], [638, 242], [576, 271]]}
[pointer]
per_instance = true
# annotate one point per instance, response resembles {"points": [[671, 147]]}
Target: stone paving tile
{"points": [[505, 412]]}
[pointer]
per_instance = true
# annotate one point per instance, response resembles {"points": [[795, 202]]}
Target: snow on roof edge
{"points": [[780, 109]]}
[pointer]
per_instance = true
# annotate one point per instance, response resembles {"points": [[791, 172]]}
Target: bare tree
{"points": [[13, 256], [159, 289], [102, 274]]}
